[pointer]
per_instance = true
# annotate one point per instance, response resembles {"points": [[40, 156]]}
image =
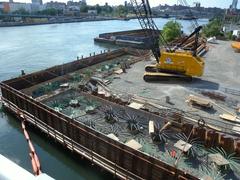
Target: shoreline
{"points": [[17, 24], [12, 24]]}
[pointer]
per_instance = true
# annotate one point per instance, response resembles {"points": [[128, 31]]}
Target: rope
{"points": [[34, 158]]}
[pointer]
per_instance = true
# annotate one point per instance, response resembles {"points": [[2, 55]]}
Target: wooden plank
{"points": [[135, 105], [133, 144], [228, 117], [200, 101], [151, 127]]}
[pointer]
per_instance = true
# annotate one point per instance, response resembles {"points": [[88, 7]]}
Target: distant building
{"points": [[17, 6], [71, 3], [37, 2], [198, 4], [92, 12], [4, 7], [56, 5], [1, 7], [11, 1]]}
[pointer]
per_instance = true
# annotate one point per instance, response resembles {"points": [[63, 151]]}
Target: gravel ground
{"points": [[221, 71]]}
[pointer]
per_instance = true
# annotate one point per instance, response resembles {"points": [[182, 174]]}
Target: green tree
{"points": [[171, 30], [98, 8], [50, 12], [213, 28], [121, 10], [84, 8]]}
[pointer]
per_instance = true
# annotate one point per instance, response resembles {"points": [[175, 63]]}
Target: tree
{"points": [[213, 28], [98, 8], [121, 10], [84, 8], [50, 12], [171, 30]]}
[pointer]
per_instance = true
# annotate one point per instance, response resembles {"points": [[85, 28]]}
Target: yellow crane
{"points": [[171, 62]]}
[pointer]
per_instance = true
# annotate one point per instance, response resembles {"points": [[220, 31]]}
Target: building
{"points": [[17, 6], [56, 5], [1, 8], [37, 2], [92, 12], [71, 3], [4, 7]]}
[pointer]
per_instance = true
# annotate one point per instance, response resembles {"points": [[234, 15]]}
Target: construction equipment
{"points": [[172, 63], [236, 46]]}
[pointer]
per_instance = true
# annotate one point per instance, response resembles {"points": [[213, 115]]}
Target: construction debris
{"points": [[151, 127], [118, 72], [74, 103], [214, 95], [198, 101], [113, 137], [65, 85], [183, 146], [133, 144], [218, 159], [135, 105], [228, 117]]}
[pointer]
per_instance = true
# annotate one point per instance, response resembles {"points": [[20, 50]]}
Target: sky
{"points": [[206, 3]]}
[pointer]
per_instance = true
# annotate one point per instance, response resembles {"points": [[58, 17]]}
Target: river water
{"points": [[32, 48]]}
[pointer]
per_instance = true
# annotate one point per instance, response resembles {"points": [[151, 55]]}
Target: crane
{"points": [[171, 62]]}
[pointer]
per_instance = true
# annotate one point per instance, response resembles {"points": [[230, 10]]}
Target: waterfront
{"points": [[36, 47]]}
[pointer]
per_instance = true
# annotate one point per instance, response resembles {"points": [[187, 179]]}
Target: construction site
{"points": [[177, 119]]}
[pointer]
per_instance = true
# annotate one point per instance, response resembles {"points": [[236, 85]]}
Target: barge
{"points": [[107, 129]]}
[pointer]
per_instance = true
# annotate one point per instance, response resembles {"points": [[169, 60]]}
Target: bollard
{"points": [[23, 72]]}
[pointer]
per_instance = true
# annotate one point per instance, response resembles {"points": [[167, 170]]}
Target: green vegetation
{"points": [[121, 11], [171, 30], [50, 12], [213, 28]]}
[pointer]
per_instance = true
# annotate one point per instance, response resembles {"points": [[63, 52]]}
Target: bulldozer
{"points": [[171, 62]]}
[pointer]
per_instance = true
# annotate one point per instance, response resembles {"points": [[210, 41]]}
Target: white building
{"points": [[17, 6], [37, 2], [92, 12]]}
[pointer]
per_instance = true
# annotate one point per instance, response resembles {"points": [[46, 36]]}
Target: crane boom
{"points": [[144, 14]]}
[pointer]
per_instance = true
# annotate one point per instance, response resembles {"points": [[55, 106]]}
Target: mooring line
{"points": [[34, 158]]}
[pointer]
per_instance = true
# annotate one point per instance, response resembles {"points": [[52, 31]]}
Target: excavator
{"points": [[172, 63]]}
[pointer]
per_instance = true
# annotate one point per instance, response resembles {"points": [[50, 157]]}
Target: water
{"points": [[37, 47]]}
